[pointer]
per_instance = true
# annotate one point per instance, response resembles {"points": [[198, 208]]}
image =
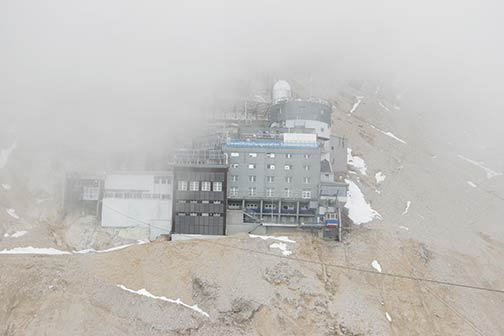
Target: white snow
{"points": [[12, 213], [52, 251], [282, 247], [389, 134], [472, 184], [404, 228], [359, 210], [6, 186], [408, 204], [489, 172], [146, 293], [380, 177], [280, 238], [376, 265], [116, 248], [356, 162], [387, 315], [16, 234], [383, 106], [5, 153], [354, 107], [34, 250]]}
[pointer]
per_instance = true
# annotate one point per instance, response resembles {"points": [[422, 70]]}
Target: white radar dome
{"points": [[281, 91]]}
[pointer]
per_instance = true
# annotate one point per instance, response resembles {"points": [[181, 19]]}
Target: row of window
{"points": [[269, 179], [269, 166], [162, 179], [135, 194], [196, 202], [270, 192], [199, 185], [269, 155], [203, 214]]}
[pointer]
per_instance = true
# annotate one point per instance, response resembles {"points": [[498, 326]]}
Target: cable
{"points": [[348, 268]]}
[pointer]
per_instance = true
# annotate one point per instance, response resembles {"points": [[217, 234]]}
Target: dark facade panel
{"points": [[202, 212]]}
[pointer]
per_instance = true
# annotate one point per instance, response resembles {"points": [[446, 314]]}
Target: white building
{"points": [[140, 200]]}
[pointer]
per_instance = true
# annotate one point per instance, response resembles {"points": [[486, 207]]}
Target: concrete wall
{"points": [[322, 129], [338, 154], [261, 172], [235, 223], [127, 213]]}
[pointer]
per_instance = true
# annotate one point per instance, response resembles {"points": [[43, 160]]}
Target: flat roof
{"points": [[271, 144]]}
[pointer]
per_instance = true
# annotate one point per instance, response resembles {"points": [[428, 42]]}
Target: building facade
{"points": [[199, 202], [140, 200]]}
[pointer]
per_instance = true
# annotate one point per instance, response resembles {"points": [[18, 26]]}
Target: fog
{"points": [[112, 70]]}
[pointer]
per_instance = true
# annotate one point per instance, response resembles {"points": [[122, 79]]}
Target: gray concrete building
{"points": [[273, 181]]}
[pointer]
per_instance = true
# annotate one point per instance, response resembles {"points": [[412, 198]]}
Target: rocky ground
{"points": [[434, 224]]}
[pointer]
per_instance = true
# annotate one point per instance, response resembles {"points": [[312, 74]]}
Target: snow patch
{"points": [[116, 248], [34, 250], [356, 162], [359, 210], [489, 172], [472, 184], [387, 315], [146, 293], [376, 265], [380, 177], [280, 238], [12, 213], [16, 234], [389, 134], [5, 153], [404, 227], [354, 107], [6, 186], [282, 247], [408, 204], [383, 106]]}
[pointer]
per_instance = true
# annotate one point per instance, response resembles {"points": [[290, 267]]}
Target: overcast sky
{"points": [[154, 62]]}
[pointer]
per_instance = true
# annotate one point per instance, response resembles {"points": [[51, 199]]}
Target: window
{"points": [[270, 166], [288, 167], [234, 154], [194, 214], [182, 185], [270, 155], [251, 166], [306, 180], [204, 214], [162, 180], [306, 156], [270, 179], [288, 179], [288, 155], [234, 165], [233, 192], [90, 193], [287, 192], [206, 186], [252, 155], [306, 194], [270, 192], [306, 167], [216, 215], [234, 178], [216, 202], [252, 178], [194, 186], [252, 191], [217, 186]]}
